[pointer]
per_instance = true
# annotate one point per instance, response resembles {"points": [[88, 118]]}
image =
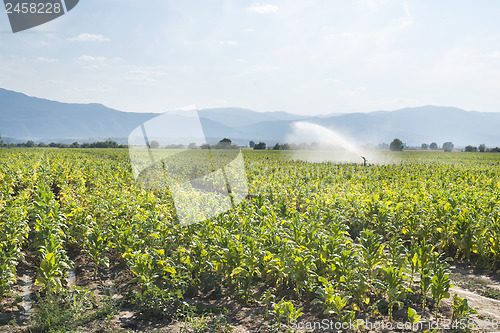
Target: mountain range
{"points": [[29, 118]]}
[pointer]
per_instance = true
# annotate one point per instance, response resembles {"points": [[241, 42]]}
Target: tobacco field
{"points": [[310, 241]]}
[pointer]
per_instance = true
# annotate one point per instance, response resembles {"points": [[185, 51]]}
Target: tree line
{"points": [[482, 149], [32, 144], [398, 145], [395, 145]]}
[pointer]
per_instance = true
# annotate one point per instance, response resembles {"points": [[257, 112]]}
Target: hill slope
{"points": [[25, 117], [22, 116]]}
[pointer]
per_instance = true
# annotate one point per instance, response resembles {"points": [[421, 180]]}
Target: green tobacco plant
{"points": [[397, 253], [142, 265], [333, 302], [413, 317], [10, 255], [394, 287], [461, 309], [424, 253], [217, 324], [54, 266], [285, 312], [372, 249], [440, 287], [412, 259], [493, 237], [96, 247], [7, 276], [465, 234], [268, 297], [48, 219]]}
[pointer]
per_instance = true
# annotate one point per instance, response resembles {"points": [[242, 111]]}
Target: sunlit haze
{"points": [[305, 57]]}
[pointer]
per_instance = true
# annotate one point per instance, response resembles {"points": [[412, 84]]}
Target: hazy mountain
{"points": [[235, 117], [413, 126], [23, 117], [214, 131], [420, 125]]}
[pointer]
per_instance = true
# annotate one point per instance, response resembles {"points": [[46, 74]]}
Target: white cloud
{"points": [[84, 37], [263, 68], [143, 76], [91, 62], [46, 60], [54, 81], [495, 54], [228, 42], [352, 92], [263, 9], [101, 88], [88, 58], [332, 80], [372, 5]]}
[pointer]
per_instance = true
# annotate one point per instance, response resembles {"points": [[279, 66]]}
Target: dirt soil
{"points": [[482, 293]]}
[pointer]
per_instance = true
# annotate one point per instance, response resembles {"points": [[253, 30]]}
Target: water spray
{"points": [[331, 146]]}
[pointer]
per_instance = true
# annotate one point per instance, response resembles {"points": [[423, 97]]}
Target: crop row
{"points": [[348, 239]]}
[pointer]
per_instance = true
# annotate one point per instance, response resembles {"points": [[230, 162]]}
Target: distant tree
{"points": [[448, 146], [286, 146], [175, 146], [433, 146], [58, 145], [470, 149], [315, 146], [154, 144], [277, 146], [223, 144], [251, 144], [105, 144], [396, 145], [482, 148], [75, 145], [303, 146], [41, 144], [260, 146], [204, 146], [30, 144], [192, 145], [424, 146]]}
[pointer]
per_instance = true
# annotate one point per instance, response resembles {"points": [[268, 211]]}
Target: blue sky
{"points": [[307, 57]]}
